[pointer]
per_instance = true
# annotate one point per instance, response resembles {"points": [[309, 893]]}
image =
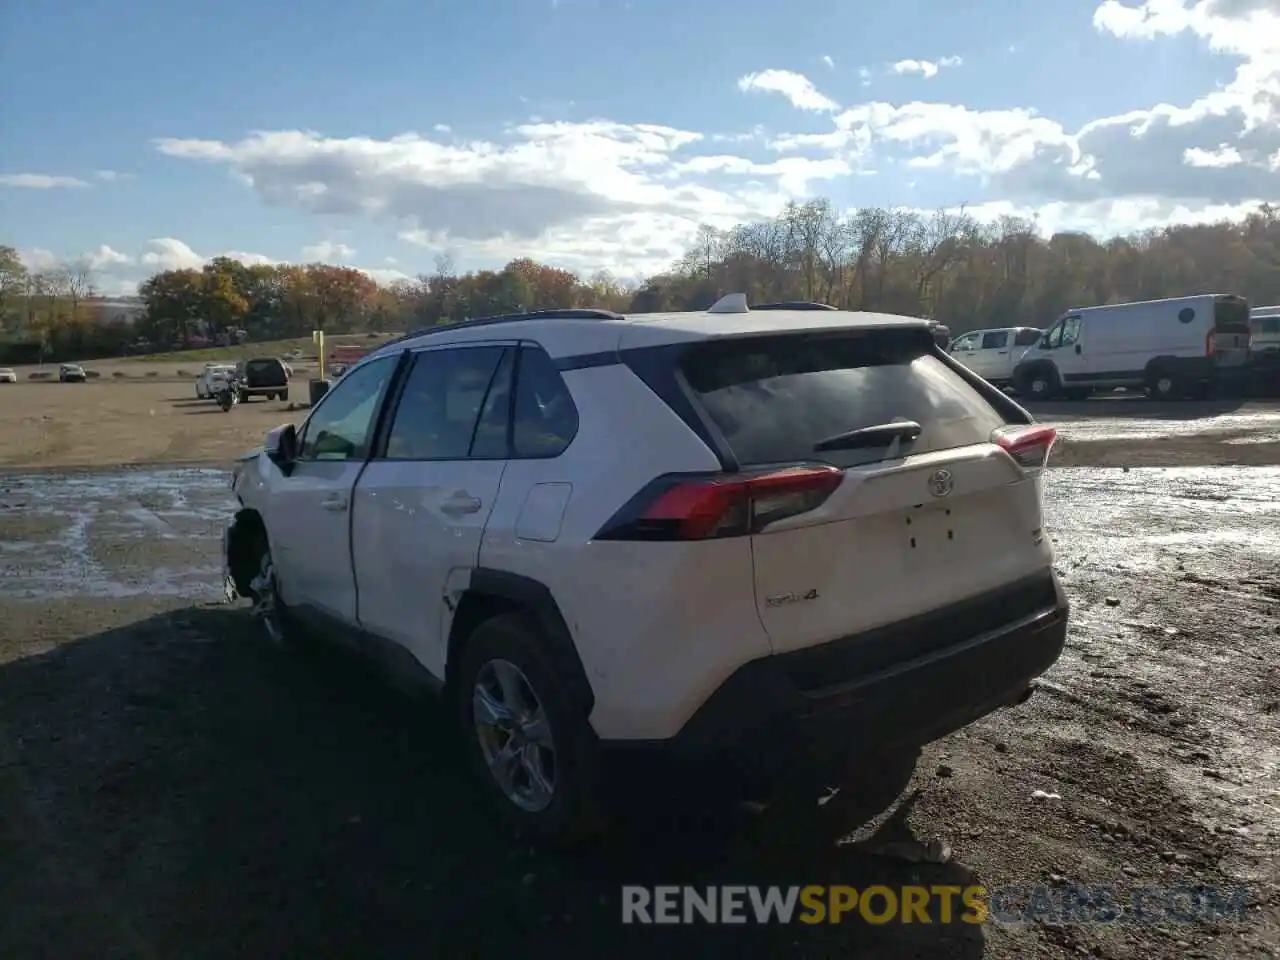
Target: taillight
{"points": [[1211, 343], [684, 507], [1029, 446]]}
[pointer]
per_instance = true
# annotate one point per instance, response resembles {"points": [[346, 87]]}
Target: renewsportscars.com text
{"points": [[933, 904]]}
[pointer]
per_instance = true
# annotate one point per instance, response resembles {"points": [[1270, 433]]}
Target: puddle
{"points": [[1137, 428], [105, 541]]}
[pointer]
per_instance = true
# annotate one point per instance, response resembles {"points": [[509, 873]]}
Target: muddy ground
{"points": [[170, 788]]}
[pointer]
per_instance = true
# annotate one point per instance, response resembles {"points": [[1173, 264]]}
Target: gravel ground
{"points": [[170, 788]]}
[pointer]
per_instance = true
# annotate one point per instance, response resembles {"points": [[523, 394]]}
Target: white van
{"points": [[992, 354], [1185, 346]]}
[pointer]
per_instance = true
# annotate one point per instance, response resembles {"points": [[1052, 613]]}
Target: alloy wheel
{"points": [[514, 735]]}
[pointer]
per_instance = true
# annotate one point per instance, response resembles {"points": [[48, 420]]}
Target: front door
{"points": [[310, 521]]}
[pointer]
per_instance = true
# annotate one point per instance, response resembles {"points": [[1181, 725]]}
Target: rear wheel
{"points": [[1162, 386], [529, 746]]}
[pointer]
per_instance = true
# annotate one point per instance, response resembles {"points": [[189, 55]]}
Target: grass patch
{"points": [[152, 373], [92, 374], [40, 376], [120, 375]]}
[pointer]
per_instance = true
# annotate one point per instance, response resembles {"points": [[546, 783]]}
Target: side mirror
{"points": [[282, 446]]}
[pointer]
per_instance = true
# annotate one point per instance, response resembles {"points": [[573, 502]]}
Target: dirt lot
{"points": [[169, 788]]}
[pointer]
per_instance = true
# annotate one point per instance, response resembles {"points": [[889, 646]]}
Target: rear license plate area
{"points": [[930, 535]]}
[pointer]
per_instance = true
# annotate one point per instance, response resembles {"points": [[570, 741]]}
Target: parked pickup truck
{"points": [[991, 354]]}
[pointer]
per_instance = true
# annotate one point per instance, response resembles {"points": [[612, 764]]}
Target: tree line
{"points": [[947, 266]]}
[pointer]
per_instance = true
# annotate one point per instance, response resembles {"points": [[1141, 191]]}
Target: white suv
{"points": [[769, 543]]}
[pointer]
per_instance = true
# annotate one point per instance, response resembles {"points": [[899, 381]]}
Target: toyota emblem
{"points": [[940, 483]]}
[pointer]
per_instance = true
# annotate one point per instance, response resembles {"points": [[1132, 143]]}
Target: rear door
{"points": [[914, 525], [993, 355], [422, 504]]}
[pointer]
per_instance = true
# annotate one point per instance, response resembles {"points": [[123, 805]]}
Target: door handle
{"points": [[336, 502], [460, 504], [1002, 352]]}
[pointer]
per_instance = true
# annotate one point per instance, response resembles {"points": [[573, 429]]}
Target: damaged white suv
{"points": [[764, 543]]}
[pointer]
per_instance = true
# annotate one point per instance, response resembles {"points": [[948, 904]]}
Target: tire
{"points": [[268, 609], [548, 788], [284, 395], [1162, 386], [244, 397], [1039, 385]]}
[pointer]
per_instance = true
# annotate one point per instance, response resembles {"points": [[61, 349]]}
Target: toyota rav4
{"points": [[785, 544]]}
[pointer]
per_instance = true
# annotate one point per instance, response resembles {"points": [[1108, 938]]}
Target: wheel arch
{"points": [[246, 529], [492, 593]]}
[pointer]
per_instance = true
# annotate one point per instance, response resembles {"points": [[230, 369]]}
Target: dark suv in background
{"points": [[263, 377]]}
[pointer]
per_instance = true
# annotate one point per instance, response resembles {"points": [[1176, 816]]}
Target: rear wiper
{"points": [[878, 435]]}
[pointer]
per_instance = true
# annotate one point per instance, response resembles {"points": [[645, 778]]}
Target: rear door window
{"points": [[775, 398], [995, 340]]}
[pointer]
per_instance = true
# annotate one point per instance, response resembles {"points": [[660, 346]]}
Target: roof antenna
{"points": [[730, 303]]}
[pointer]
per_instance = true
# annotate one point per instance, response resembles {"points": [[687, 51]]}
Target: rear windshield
{"points": [[774, 398], [259, 366], [1231, 313]]}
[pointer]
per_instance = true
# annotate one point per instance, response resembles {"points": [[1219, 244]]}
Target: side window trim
{"points": [[393, 386]]}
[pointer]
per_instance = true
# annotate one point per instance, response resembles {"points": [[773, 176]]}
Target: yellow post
{"points": [[317, 337]]}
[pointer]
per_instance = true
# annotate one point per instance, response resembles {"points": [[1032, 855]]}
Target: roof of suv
{"points": [[571, 332]]}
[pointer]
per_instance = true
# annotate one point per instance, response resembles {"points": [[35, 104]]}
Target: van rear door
{"points": [[1228, 343]]}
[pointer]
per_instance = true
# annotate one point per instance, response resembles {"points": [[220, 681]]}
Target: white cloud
{"points": [[442, 128], [829, 61], [166, 253], [1225, 156], [104, 257], [1218, 154], [326, 252], [112, 176], [796, 87], [864, 74], [926, 68], [383, 276], [540, 189], [39, 181], [39, 260]]}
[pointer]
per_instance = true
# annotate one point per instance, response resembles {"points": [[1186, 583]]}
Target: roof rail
{"points": [[566, 313], [794, 305]]}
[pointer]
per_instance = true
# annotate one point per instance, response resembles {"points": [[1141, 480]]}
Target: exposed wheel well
{"points": [[245, 533], [495, 592], [474, 609]]}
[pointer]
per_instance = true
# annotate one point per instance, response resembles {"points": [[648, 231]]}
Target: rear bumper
{"points": [[815, 707]]}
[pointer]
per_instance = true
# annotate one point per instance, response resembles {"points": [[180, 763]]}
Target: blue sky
{"points": [[599, 133]]}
